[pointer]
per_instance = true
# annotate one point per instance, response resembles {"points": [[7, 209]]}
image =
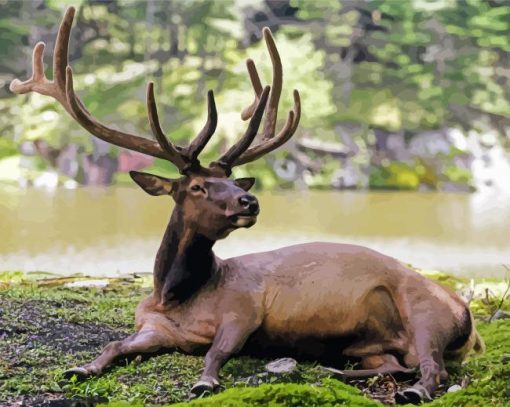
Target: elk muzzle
{"points": [[249, 210], [250, 203]]}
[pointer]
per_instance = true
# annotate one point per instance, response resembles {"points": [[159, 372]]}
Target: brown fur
{"points": [[372, 306]]}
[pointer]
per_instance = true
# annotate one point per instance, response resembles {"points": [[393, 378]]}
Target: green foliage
{"points": [[446, 280], [394, 175], [405, 176], [458, 175], [329, 393], [426, 58], [7, 148], [391, 65]]}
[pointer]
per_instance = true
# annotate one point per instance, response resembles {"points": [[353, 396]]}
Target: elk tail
{"points": [[479, 346]]}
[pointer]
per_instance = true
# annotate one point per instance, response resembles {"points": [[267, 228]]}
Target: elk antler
{"points": [[61, 88], [269, 141], [227, 160]]}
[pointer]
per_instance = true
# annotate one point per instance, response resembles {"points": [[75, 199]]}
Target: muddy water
{"points": [[117, 230]]}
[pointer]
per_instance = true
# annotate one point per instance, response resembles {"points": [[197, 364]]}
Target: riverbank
{"points": [[120, 228], [48, 324]]}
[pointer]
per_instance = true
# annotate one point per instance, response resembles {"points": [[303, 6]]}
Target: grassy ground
{"points": [[48, 325]]}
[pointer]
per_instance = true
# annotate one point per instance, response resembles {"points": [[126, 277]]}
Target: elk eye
{"points": [[196, 187]]}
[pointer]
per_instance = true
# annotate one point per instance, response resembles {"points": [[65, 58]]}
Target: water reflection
{"points": [[117, 230]]}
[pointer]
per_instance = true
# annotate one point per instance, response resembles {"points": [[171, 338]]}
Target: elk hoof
{"points": [[412, 395], [203, 387], [80, 372]]}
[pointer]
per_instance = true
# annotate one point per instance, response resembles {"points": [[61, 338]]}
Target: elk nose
{"points": [[250, 202]]}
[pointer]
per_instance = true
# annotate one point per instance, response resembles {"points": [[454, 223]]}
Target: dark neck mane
{"points": [[184, 263]]}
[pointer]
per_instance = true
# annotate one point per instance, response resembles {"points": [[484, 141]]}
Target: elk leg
{"points": [[229, 340], [147, 341], [430, 356]]}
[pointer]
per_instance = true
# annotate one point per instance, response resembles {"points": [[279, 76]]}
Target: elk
{"points": [[319, 300]]}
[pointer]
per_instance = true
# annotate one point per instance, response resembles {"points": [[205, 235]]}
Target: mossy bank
{"points": [[48, 324]]}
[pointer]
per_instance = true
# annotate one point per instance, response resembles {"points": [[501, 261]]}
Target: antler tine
{"points": [[61, 50], [297, 111], [37, 77], [276, 87], [174, 155], [200, 141], [38, 81], [225, 162], [257, 87]]}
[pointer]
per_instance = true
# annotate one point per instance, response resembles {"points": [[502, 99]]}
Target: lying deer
{"points": [[315, 299]]}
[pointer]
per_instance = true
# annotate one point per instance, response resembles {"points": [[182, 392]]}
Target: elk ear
{"points": [[153, 184], [245, 183]]}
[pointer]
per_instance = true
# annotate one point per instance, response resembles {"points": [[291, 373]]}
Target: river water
{"points": [[116, 230]]}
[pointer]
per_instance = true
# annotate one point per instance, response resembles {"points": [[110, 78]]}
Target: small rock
{"points": [[454, 388], [283, 365], [505, 358], [501, 315], [252, 380]]}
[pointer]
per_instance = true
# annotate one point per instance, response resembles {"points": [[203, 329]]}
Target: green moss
{"points": [[458, 175], [11, 277], [446, 280], [330, 393], [47, 327], [489, 378]]}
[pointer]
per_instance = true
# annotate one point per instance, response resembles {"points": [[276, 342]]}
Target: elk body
{"points": [[321, 300]]}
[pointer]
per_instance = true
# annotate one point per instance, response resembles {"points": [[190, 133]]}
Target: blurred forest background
{"points": [[396, 94]]}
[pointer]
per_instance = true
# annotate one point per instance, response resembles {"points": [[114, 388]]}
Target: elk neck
{"points": [[184, 262]]}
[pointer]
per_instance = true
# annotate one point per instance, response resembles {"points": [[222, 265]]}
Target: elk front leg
{"points": [[229, 340], [148, 341]]}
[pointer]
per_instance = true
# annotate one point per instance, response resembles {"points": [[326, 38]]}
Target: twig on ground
{"points": [[471, 292], [487, 300], [503, 297]]}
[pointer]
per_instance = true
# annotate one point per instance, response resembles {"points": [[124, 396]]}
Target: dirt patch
{"points": [[36, 336], [40, 323], [52, 400]]}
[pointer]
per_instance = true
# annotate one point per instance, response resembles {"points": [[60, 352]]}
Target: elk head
{"points": [[212, 206], [207, 198]]}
